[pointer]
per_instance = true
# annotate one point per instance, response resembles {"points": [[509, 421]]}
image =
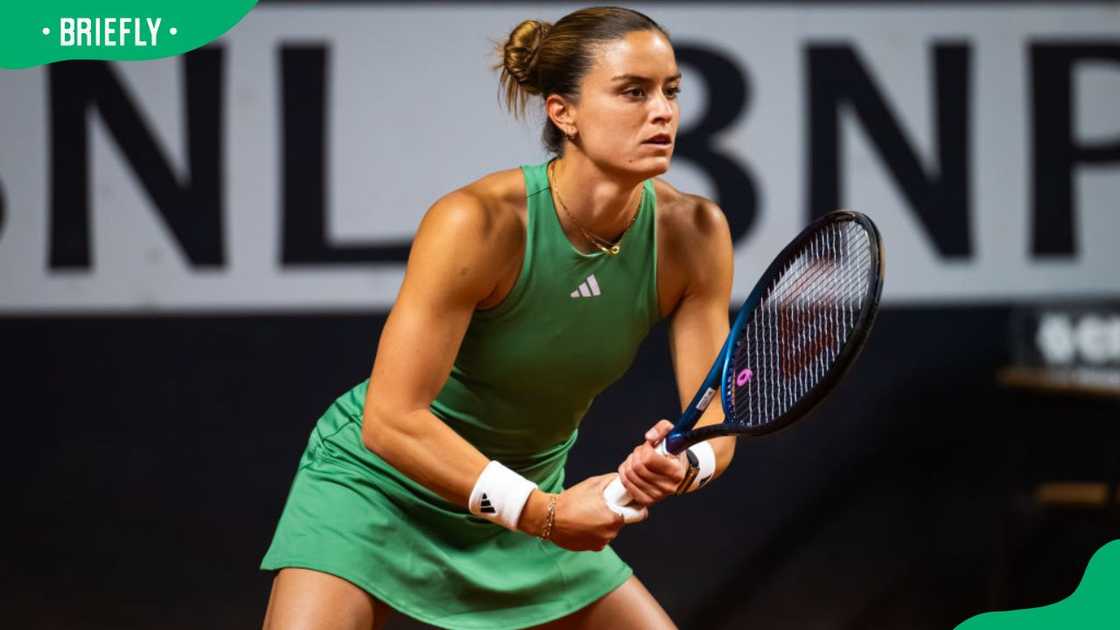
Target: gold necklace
{"points": [[603, 244]]}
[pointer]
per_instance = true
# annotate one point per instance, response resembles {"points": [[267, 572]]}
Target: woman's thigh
{"points": [[303, 599], [628, 606]]}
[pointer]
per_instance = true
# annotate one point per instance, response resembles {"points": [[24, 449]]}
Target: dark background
{"points": [[151, 458]]}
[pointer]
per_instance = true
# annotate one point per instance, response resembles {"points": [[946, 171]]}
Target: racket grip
{"points": [[617, 499], [619, 502]]}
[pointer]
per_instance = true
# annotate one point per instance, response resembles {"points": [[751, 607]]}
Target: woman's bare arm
{"points": [[451, 268], [456, 260], [699, 325], [700, 322]]}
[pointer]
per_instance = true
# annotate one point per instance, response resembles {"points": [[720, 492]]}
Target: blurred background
{"points": [[197, 256]]}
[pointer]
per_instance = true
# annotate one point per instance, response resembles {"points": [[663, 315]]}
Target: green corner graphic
{"points": [[35, 33], [1095, 604]]}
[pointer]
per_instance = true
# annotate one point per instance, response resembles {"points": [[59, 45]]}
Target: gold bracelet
{"points": [[550, 519]]}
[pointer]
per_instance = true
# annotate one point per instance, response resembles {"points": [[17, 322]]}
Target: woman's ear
{"points": [[562, 113]]}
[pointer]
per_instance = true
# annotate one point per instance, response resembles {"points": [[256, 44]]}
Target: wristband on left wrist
{"points": [[701, 466]]}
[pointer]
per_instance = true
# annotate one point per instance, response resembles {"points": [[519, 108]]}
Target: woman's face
{"points": [[627, 112]]}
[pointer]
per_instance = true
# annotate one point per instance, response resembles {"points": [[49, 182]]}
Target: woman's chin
{"points": [[641, 166], [652, 166]]}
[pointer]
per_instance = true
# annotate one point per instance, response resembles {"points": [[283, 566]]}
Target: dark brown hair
{"points": [[540, 59]]}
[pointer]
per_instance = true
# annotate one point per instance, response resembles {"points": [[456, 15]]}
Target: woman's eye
{"points": [[672, 92], [635, 92]]}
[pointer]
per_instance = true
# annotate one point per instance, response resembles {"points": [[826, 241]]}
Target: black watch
{"points": [[690, 474]]}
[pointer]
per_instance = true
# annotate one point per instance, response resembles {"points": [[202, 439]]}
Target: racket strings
{"points": [[801, 324]]}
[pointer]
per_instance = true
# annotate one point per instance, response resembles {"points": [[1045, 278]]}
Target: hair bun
{"points": [[519, 55]]}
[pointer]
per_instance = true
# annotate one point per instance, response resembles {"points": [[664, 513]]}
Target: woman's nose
{"points": [[662, 108]]}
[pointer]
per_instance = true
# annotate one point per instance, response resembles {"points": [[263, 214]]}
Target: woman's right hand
{"points": [[583, 521]]}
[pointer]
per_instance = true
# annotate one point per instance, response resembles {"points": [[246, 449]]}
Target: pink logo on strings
{"points": [[743, 377]]}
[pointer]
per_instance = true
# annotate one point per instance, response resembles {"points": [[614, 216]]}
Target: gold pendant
{"points": [[613, 251]]}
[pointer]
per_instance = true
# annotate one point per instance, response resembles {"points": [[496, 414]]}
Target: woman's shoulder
{"points": [[681, 215], [488, 206], [694, 244], [499, 191]]}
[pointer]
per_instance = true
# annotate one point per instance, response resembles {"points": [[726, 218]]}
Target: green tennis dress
{"points": [[526, 373]]}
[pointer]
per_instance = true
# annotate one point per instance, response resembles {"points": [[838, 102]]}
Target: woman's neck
{"points": [[601, 203]]}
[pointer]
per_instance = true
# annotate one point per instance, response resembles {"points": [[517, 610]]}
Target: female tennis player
{"points": [[436, 488]]}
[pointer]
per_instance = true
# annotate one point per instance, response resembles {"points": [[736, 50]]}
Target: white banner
{"points": [[167, 186]]}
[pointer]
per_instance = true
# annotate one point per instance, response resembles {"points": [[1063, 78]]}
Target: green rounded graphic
{"points": [[1093, 605], [35, 33]]}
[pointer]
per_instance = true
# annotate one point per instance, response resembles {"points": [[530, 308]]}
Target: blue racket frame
{"points": [[683, 435]]}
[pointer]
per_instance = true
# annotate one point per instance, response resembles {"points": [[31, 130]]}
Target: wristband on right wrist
{"points": [[499, 495]]}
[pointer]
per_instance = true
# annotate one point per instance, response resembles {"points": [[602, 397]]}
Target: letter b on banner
{"points": [[735, 189]]}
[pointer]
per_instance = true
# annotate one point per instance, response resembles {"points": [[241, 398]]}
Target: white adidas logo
{"points": [[587, 288]]}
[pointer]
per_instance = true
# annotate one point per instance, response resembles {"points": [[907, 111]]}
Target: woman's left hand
{"points": [[649, 476]]}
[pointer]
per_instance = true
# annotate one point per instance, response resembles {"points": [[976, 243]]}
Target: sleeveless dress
{"points": [[527, 371]]}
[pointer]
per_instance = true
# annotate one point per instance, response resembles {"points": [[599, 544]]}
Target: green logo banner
{"points": [[40, 32], [1095, 604]]}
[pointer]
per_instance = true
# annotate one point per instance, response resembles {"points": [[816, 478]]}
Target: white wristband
{"points": [[500, 494], [705, 461]]}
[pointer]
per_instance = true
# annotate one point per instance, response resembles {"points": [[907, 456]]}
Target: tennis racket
{"points": [[794, 337]]}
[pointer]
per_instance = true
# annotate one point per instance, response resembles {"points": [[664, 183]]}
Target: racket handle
{"points": [[619, 502], [617, 499]]}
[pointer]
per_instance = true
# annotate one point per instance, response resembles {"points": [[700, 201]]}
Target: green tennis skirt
{"points": [[351, 514]]}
